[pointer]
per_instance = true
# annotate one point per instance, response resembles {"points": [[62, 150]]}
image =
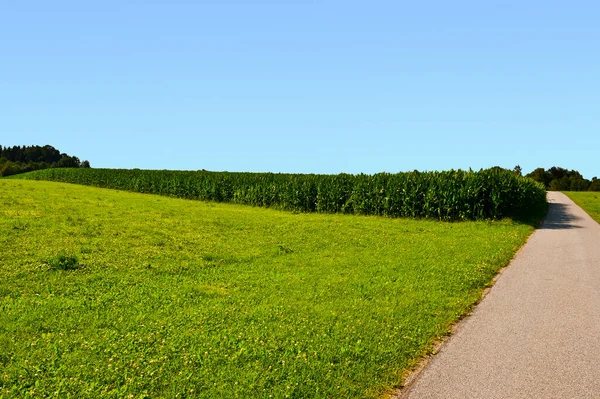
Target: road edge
{"points": [[411, 376]]}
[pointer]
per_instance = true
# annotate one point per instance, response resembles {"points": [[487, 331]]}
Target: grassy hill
{"points": [[109, 294]]}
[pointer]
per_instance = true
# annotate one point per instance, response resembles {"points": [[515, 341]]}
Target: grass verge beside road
{"points": [[108, 294], [589, 201]]}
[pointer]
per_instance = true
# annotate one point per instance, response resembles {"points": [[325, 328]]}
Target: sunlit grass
{"points": [[589, 201], [177, 298]]}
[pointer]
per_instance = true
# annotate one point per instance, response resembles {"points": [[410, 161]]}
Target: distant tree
{"points": [[561, 184], [19, 159], [10, 168], [51, 154], [577, 182], [560, 179], [67, 161], [518, 170], [557, 173], [540, 175]]}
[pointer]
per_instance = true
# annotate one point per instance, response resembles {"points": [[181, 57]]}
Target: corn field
{"points": [[452, 195]]}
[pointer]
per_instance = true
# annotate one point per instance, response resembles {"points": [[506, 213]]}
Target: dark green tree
{"points": [[540, 175], [518, 170], [19, 159], [560, 179]]}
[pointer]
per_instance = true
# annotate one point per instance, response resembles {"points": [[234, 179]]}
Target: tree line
{"points": [[559, 179], [21, 159]]}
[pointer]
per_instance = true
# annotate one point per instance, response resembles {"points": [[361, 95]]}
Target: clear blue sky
{"points": [[305, 86]]}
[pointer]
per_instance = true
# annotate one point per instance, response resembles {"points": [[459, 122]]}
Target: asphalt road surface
{"points": [[537, 332]]}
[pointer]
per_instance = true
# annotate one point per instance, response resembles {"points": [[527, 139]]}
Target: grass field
{"points": [[589, 201], [108, 294]]}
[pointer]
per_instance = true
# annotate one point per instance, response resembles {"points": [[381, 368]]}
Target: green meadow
{"points": [[112, 294], [589, 201]]}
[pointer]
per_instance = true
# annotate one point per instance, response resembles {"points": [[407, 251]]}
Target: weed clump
{"points": [[63, 262]]}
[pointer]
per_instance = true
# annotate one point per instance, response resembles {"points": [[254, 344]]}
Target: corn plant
{"points": [[450, 195]]}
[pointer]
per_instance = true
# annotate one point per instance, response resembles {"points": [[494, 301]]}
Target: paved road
{"points": [[537, 332]]}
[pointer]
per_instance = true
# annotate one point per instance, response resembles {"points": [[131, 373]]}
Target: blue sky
{"points": [[305, 86]]}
